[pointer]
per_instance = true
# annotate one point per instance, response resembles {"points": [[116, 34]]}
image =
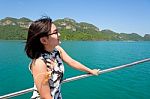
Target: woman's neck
{"points": [[49, 49]]}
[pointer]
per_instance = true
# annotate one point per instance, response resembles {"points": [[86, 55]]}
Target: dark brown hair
{"points": [[37, 29]]}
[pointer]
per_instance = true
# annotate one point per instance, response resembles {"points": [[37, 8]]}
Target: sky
{"points": [[121, 16]]}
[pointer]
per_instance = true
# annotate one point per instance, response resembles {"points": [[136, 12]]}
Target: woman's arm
{"points": [[40, 73], [75, 64]]}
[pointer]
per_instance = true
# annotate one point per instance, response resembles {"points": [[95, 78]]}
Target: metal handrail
{"points": [[76, 78]]}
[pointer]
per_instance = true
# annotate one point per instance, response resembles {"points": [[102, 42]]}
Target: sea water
{"points": [[127, 83]]}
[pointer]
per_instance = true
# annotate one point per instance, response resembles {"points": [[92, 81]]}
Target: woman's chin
{"points": [[59, 42]]}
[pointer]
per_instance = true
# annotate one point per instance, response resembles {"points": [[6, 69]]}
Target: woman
{"points": [[47, 56]]}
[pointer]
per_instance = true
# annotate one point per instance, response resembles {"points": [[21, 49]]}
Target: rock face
{"points": [[22, 22], [72, 25]]}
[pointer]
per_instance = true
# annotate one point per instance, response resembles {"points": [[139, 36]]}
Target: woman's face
{"points": [[53, 38]]}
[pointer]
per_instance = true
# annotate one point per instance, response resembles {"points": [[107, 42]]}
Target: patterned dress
{"points": [[54, 63]]}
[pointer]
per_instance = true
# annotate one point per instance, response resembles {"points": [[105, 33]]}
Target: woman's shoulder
{"points": [[59, 48], [38, 63]]}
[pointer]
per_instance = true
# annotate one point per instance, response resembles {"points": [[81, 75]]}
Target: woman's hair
{"points": [[37, 29]]}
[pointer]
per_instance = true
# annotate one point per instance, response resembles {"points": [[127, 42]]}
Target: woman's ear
{"points": [[43, 40]]}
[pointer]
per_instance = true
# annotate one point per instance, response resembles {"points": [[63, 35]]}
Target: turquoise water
{"points": [[128, 83]]}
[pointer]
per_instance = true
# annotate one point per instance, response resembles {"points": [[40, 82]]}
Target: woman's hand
{"points": [[95, 72]]}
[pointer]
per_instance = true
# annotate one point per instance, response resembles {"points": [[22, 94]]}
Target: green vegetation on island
{"points": [[16, 29]]}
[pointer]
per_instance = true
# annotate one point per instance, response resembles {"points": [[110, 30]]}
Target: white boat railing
{"points": [[76, 78]]}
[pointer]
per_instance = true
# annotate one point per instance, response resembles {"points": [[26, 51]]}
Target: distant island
{"points": [[16, 29]]}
